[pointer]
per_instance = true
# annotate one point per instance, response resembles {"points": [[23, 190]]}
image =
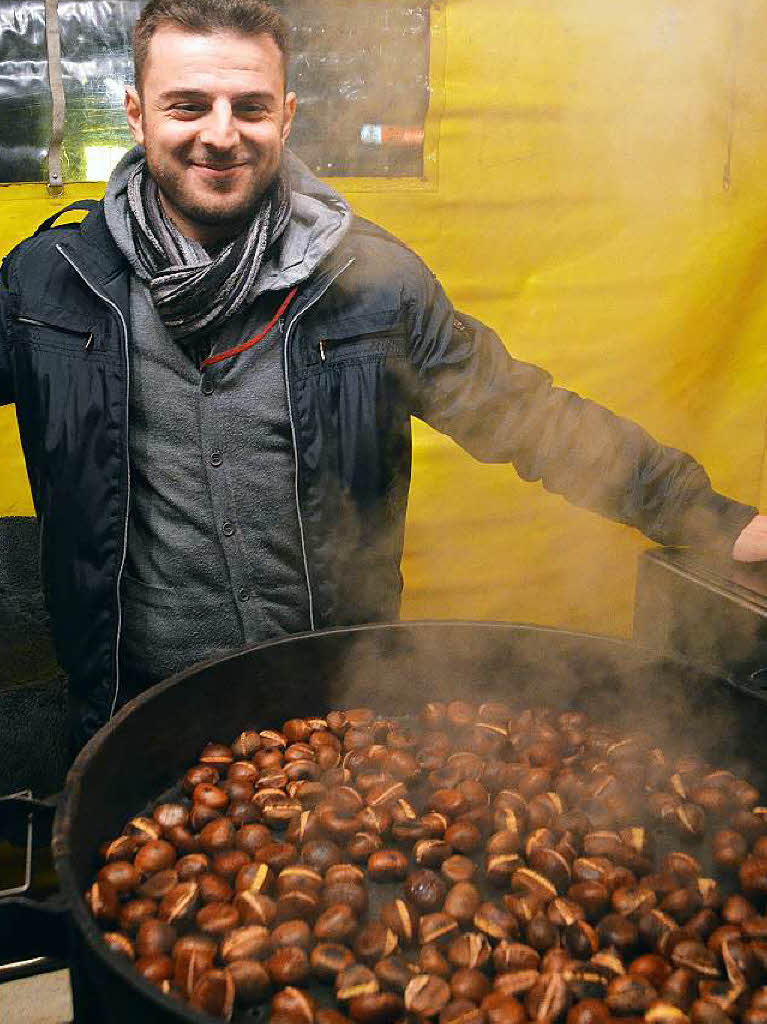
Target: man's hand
{"points": [[751, 545]]}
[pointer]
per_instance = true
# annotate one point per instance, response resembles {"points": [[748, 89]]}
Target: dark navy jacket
{"points": [[370, 340]]}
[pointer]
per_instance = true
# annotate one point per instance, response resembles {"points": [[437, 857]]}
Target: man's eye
{"points": [[256, 110], [188, 108]]}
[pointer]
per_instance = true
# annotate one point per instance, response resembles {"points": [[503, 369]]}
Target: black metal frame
{"points": [[34, 934]]}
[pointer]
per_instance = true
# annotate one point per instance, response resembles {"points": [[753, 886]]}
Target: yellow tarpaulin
{"points": [[598, 195]]}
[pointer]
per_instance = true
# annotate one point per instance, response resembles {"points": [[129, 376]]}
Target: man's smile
{"points": [[217, 168]]}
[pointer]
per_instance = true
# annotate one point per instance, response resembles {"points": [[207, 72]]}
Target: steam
{"points": [[684, 710]]}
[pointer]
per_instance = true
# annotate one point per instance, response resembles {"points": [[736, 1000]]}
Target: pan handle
{"points": [[34, 934], [26, 823], [34, 937]]}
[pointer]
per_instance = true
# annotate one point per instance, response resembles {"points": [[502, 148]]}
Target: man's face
{"points": [[213, 118]]}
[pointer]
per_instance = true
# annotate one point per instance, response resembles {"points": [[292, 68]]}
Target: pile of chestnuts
{"points": [[468, 865]]}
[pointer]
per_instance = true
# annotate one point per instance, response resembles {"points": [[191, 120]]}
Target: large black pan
{"points": [[393, 668]]}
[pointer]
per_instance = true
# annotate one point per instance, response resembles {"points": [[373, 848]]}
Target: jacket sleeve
{"points": [[6, 377], [502, 410]]}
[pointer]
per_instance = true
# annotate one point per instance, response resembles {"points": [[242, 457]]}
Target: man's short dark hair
{"points": [[205, 17]]}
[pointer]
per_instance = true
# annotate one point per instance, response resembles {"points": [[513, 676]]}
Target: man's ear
{"points": [[288, 112], [133, 114]]}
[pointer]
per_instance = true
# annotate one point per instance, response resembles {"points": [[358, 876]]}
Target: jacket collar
{"points": [[93, 252]]}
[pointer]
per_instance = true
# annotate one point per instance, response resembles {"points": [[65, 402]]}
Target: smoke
{"points": [[579, 139], [550, 109], [682, 708]]}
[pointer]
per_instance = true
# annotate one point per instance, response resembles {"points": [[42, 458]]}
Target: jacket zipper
{"points": [[286, 346], [116, 308], [69, 330], [326, 345]]}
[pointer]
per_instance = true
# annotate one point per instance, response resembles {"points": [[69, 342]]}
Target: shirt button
{"points": [[228, 528], [207, 386], [243, 594], [216, 458]]}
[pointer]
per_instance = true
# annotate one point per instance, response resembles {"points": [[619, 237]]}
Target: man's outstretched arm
{"points": [[500, 409]]}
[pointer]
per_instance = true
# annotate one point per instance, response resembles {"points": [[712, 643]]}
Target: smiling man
{"points": [[214, 377], [212, 115]]}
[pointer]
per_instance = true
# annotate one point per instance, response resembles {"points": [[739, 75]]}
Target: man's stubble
{"points": [[173, 193]]}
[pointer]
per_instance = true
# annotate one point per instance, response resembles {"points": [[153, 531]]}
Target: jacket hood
{"points": [[319, 220]]}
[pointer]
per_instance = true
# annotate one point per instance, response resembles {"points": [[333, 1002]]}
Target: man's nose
{"points": [[219, 129]]}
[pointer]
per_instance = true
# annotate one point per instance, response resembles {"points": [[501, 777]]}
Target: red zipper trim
{"points": [[259, 337]]}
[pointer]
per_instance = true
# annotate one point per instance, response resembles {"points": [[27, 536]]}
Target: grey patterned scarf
{"points": [[193, 291]]}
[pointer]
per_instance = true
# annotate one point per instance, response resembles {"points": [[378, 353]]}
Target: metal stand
{"points": [[33, 931]]}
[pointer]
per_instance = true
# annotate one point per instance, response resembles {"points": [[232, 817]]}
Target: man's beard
{"points": [[196, 211], [234, 216]]}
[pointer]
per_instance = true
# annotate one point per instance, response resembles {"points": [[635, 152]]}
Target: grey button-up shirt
{"points": [[214, 555]]}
